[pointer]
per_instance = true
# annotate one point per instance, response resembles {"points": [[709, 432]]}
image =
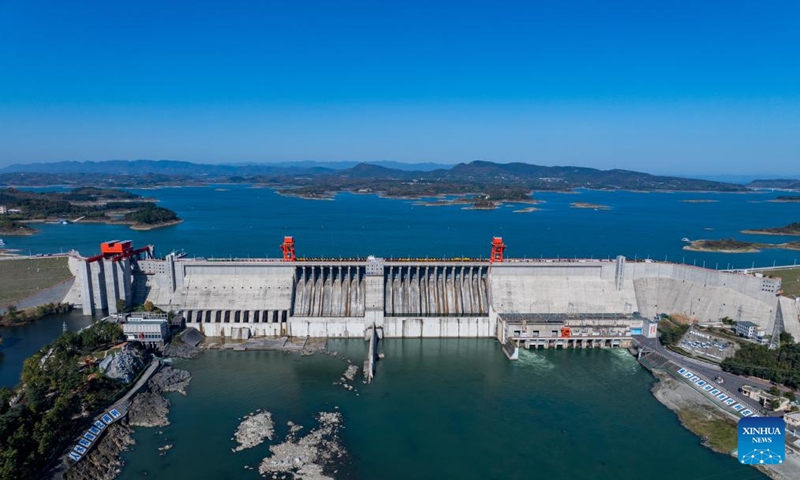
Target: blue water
{"points": [[241, 221], [21, 342], [439, 409]]}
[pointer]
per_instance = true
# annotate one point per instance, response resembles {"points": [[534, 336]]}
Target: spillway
{"points": [[329, 291], [436, 290]]}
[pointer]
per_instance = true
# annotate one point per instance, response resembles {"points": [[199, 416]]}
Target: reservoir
{"points": [[242, 221]]}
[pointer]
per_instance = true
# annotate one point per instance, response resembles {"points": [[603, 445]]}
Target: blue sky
{"points": [[666, 87]]}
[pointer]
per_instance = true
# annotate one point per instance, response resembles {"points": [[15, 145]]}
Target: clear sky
{"points": [[689, 87]]}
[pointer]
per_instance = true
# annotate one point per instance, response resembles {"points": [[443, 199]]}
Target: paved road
{"points": [[732, 383]]}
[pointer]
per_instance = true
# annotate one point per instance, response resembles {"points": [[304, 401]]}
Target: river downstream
{"points": [[437, 409]]}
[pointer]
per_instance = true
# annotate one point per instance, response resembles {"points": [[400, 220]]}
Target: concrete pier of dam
{"points": [[580, 303]]}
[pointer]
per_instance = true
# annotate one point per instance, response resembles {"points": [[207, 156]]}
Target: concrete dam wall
{"points": [[329, 298]]}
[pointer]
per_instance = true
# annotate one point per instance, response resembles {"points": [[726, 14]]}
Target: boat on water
{"points": [[2, 243], [686, 240]]}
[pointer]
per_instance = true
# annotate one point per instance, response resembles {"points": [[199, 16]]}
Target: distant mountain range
{"points": [[776, 184], [175, 167], [337, 176]]}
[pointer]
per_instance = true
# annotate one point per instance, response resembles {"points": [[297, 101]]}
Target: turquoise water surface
{"points": [[438, 408]]}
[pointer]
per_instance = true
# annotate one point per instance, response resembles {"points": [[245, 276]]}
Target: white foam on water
{"points": [[536, 360]]}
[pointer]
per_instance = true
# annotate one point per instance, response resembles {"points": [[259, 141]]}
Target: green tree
{"points": [[773, 390], [122, 305], [6, 394]]}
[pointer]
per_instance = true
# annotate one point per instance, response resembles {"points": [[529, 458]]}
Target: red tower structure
{"points": [[288, 249], [120, 250], [497, 250]]}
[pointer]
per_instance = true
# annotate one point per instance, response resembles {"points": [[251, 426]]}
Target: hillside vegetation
{"points": [[60, 386], [781, 365], [89, 204]]}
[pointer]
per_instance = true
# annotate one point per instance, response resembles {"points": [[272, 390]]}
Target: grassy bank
{"points": [[720, 434], [716, 429], [22, 277]]}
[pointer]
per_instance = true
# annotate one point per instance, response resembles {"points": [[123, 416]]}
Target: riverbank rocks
{"points": [[103, 462], [149, 409], [311, 456], [170, 379], [253, 430]]}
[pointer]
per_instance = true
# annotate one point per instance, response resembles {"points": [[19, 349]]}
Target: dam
{"points": [[543, 303]]}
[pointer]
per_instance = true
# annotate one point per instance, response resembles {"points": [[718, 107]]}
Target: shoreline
{"points": [[131, 225], [716, 429], [145, 227], [742, 247], [690, 248], [148, 409], [791, 233]]}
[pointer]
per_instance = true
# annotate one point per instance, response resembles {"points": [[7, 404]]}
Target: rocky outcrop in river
{"points": [[312, 457], [149, 409], [253, 430], [170, 379]]}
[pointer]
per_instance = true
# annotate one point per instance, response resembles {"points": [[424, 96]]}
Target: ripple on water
{"points": [[528, 358], [623, 362]]}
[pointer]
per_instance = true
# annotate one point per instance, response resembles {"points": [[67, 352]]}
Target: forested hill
{"points": [[777, 184], [347, 175], [540, 177]]}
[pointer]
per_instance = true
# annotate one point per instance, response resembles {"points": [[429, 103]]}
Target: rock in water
{"points": [[309, 456], [351, 372], [253, 430], [149, 410], [170, 379]]}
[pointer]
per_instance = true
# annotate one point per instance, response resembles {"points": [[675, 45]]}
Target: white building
{"points": [[747, 329], [150, 329]]}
